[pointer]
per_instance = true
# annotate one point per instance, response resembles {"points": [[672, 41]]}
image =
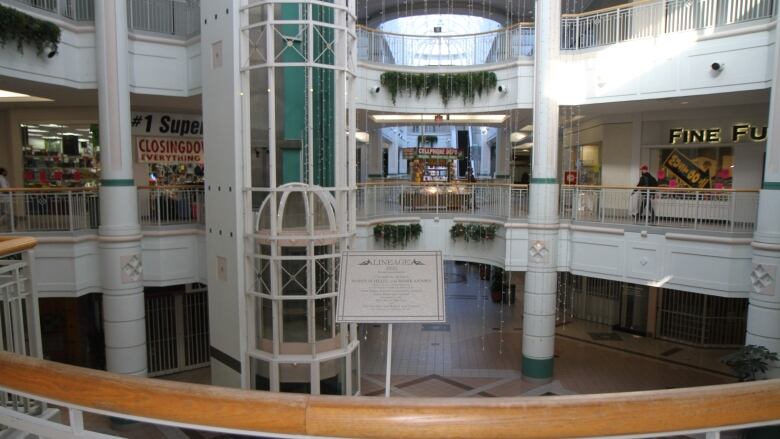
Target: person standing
{"points": [[5, 198], [646, 180], [3, 180]]}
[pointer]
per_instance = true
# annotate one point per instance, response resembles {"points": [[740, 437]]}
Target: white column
{"points": [[484, 168], [374, 153], [120, 235], [392, 158], [540, 287], [763, 327], [503, 154]]}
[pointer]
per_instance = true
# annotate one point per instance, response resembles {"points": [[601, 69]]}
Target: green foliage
{"points": [[395, 235], [16, 25], [750, 360], [427, 140], [466, 85], [473, 232]]}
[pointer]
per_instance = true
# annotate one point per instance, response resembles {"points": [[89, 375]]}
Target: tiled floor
{"points": [[477, 353]]}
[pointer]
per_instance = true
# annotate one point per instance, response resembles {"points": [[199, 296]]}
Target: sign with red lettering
{"points": [[169, 149]]}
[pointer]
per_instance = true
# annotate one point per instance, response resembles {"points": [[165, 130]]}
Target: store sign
{"points": [[686, 170], [167, 138], [168, 150], [391, 287], [739, 133], [432, 153], [569, 177], [166, 125]]}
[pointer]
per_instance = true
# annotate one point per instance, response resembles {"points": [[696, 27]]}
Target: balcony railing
{"points": [[48, 210], [179, 18], [484, 200], [19, 317], [72, 210], [460, 50], [705, 209], [170, 205], [578, 31], [709, 410]]}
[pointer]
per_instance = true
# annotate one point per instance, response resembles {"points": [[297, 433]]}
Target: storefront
{"points": [[700, 154], [60, 155], [435, 165]]}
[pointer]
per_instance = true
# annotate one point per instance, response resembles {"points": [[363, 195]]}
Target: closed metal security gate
{"points": [[177, 331], [701, 319], [589, 299]]}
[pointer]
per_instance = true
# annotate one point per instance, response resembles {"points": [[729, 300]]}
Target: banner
{"points": [[168, 150], [166, 124], [431, 153], [686, 170]]}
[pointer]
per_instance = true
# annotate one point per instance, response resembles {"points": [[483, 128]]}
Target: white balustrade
{"points": [[169, 205], [19, 317], [578, 31], [705, 209], [48, 210]]}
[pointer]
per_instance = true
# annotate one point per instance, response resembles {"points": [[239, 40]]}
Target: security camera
{"points": [[375, 89], [717, 66], [503, 89]]}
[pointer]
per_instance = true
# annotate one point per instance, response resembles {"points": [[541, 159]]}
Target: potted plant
{"points": [[750, 362]]}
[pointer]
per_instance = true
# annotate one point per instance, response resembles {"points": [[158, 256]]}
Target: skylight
{"points": [[439, 25]]}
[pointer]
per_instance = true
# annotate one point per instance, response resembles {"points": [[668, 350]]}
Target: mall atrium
{"points": [[182, 182]]}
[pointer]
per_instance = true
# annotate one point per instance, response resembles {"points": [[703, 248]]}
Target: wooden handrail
{"points": [[632, 413], [10, 245]]}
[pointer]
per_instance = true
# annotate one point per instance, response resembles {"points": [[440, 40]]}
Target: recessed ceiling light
{"points": [[462, 118], [10, 96]]}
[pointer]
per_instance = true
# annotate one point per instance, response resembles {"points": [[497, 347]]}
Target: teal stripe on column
{"points": [[117, 182], [544, 181], [772, 185], [539, 369]]}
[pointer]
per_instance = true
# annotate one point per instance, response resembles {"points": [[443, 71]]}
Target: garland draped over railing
{"points": [[25, 29], [467, 85]]}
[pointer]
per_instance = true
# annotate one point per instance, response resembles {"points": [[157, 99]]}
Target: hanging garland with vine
{"points": [[427, 140], [396, 235], [473, 232], [466, 85], [25, 29]]}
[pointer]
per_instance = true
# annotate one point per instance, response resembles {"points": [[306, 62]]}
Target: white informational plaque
{"points": [[391, 287]]}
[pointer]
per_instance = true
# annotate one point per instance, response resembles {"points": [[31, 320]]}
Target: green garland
{"points": [[25, 29], [466, 85], [473, 232], [427, 140], [394, 235]]}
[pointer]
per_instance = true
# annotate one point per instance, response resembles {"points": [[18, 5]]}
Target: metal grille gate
{"points": [[589, 299], [177, 331], [701, 319]]}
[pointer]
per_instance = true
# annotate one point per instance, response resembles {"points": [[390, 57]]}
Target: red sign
{"points": [[169, 150], [569, 177]]}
